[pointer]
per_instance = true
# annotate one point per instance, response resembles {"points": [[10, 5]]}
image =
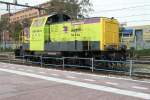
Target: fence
{"points": [[130, 67], [8, 45]]}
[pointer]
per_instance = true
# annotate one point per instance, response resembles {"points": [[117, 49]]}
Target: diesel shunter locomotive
{"points": [[58, 35]]}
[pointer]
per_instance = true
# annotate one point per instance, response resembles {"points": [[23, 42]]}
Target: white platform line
{"points": [[111, 83], [71, 77], [108, 77], [50, 69], [93, 75], [91, 80], [141, 88], [38, 68], [82, 84]]}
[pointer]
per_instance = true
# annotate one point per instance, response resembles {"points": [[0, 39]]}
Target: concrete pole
{"points": [[41, 59], [63, 62], [92, 59], [131, 67], [3, 40]]}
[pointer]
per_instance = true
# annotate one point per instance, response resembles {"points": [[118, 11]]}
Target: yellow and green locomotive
{"points": [[58, 35]]}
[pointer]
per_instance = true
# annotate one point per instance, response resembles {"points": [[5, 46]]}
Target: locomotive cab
{"points": [[56, 18], [40, 30]]}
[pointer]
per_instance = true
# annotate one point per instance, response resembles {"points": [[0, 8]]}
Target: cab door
{"points": [[139, 39], [76, 33]]}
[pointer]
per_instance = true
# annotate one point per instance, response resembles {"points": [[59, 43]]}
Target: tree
{"points": [[74, 8], [85, 7], [15, 30], [4, 25]]}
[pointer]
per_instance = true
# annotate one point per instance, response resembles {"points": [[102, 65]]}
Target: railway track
{"points": [[147, 58]]}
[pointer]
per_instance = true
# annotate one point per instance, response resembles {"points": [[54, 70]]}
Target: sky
{"points": [[132, 12]]}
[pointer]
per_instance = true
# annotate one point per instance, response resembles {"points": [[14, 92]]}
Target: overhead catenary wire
{"points": [[134, 15], [124, 8], [136, 21], [11, 9]]}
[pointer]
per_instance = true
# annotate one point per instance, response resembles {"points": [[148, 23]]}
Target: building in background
{"points": [[137, 37], [6, 36], [28, 13]]}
